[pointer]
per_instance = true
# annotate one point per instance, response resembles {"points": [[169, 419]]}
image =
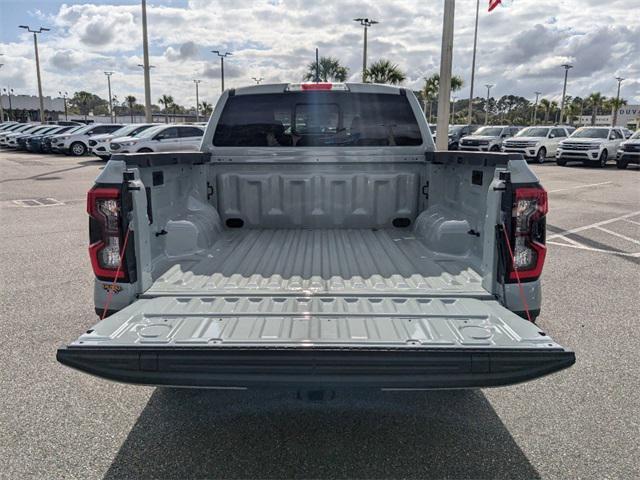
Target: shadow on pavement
{"points": [[232, 434]]}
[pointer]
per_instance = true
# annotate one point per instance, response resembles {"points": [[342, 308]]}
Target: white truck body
{"points": [[317, 240]]}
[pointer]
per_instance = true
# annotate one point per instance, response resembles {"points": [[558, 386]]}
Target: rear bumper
{"points": [[403, 368]]}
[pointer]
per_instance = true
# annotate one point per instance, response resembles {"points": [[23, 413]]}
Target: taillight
{"points": [[528, 233], [298, 87], [104, 208]]}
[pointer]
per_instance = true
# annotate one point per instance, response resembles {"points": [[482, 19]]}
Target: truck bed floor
{"points": [[333, 262]]}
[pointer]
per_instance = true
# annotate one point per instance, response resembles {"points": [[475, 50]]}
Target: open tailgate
{"points": [[383, 342]]}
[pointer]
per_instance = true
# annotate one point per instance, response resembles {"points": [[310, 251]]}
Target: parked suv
{"points": [[456, 132], [99, 144], [536, 142], [35, 143], [77, 143], [629, 151], [590, 145], [18, 127], [487, 138], [163, 138]]}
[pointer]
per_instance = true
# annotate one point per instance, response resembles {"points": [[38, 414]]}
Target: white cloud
{"points": [[520, 47]]}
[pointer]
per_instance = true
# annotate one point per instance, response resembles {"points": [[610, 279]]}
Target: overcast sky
{"points": [[520, 48]]}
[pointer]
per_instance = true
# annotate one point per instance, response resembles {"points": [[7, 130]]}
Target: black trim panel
{"points": [[318, 367]]}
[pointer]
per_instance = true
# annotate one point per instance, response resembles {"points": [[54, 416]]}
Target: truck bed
{"points": [[332, 261]]}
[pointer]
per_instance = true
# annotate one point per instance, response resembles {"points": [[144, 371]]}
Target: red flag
{"points": [[493, 4]]}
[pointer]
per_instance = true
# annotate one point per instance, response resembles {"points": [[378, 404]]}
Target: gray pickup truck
{"points": [[317, 240]]}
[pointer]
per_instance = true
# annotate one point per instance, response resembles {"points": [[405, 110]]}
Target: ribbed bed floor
{"points": [[327, 261]]}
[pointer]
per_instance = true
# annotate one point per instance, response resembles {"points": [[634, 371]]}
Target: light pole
{"points": [[35, 46], [486, 108], [197, 82], [567, 67], [535, 109], [222, 56], [147, 68], [473, 65], [366, 23], [9, 91], [446, 60], [257, 80], [64, 96], [616, 106], [108, 74]]}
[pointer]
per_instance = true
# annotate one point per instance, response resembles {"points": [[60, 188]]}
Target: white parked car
{"points": [[77, 143], [11, 139], [590, 145], [163, 138], [487, 138], [536, 142], [99, 144], [629, 151], [20, 127]]}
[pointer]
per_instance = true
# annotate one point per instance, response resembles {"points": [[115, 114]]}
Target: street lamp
{"points": [[617, 105], [535, 109], [473, 64], [567, 67], [108, 74], [257, 80], [222, 56], [366, 23], [197, 82], [147, 68], [64, 96], [486, 109], [35, 45]]}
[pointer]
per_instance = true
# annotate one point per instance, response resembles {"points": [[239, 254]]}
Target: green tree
{"points": [[429, 92], [546, 106], [84, 102], [206, 108], [130, 100], [329, 70], [166, 101], [595, 100], [383, 71]]}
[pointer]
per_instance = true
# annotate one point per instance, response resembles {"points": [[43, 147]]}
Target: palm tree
{"points": [[553, 107], [546, 105], [430, 92], [166, 101], [329, 70], [595, 100], [131, 101], [432, 87], [383, 71], [206, 108]]}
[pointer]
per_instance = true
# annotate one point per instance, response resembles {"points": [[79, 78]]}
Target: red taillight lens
{"points": [[103, 206], [528, 233]]}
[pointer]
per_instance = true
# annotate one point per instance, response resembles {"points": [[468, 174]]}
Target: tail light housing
{"points": [[528, 230], [104, 206]]}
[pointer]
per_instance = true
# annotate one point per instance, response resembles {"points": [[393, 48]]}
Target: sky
{"points": [[521, 46]]}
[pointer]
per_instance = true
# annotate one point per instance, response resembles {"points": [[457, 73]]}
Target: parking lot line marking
{"points": [[619, 235], [630, 221], [593, 225], [601, 250], [579, 186]]}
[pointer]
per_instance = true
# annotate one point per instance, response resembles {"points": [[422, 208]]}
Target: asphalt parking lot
{"points": [[580, 423]]}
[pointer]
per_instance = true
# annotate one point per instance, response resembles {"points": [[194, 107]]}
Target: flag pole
{"points": [[473, 64]]}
